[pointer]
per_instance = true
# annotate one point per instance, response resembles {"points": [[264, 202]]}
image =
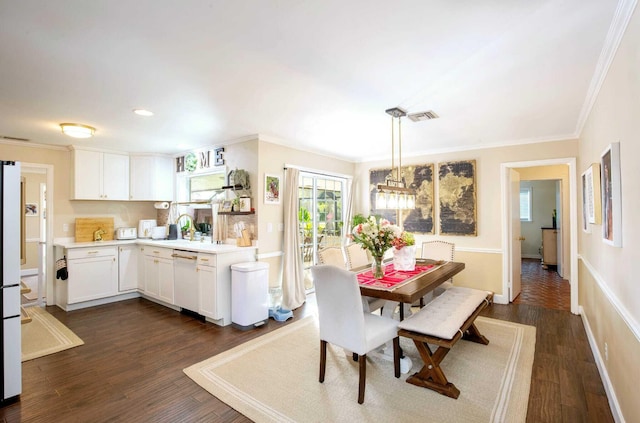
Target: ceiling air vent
{"points": [[5, 137], [420, 116]]}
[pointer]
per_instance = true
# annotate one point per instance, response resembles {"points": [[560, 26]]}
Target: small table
{"points": [[418, 286]]}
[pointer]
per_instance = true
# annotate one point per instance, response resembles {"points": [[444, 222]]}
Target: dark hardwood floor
{"points": [[130, 368]]}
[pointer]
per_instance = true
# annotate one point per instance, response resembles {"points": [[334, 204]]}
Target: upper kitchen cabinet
{"points": [[151, 178], [99, 175]]}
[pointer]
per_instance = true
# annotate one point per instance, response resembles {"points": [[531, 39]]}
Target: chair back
{"points": [[356, 256], [333, 256], [438, 250], [340, 312]]}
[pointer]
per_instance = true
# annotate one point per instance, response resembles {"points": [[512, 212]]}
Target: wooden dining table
{"points": [[418, 286]]}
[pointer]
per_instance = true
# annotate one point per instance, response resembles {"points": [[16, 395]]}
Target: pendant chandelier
{"points": [[394, 194]]}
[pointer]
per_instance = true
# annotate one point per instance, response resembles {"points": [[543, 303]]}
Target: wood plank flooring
{"points": [[130, 368]]}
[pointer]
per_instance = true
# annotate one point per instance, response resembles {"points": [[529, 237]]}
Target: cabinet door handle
{"points": [[184, 257], [92, 252]]}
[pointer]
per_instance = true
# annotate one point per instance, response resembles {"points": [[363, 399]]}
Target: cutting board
{"points": [[86, 226]]}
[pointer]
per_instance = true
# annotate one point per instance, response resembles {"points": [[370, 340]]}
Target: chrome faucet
{"points": [[191, 225], [97, 235]]}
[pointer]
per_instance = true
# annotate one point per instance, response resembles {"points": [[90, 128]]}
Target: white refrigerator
{"points": [[10, 336]]}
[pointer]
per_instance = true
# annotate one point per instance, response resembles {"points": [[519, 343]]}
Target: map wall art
{"points": [[421, 179], [457, 198]]}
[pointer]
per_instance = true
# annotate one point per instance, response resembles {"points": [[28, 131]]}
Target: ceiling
{"points": [[315, 75]]}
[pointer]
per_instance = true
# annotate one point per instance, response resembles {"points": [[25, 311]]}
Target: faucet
{"points": [[97, 235], [191, 225]]}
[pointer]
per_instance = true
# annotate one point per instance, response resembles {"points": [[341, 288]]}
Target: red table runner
{"points": [[393, 278]]}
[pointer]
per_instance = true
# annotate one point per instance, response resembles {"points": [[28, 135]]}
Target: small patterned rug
{"points": [[45, 335]]}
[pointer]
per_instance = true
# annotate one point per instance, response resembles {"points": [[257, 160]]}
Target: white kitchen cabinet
{"points": [[93, 273], [128, 274], [209, 298], [99, 175], [151, 178], [158, 274]]}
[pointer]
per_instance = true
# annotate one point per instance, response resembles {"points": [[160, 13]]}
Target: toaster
{"points": [[126, 233]]}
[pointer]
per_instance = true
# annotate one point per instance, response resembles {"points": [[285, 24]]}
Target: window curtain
{"points": [[293, 293], [348, 213]]}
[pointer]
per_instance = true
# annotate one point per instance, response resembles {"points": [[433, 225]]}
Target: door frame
{"points": [[505, 183]]}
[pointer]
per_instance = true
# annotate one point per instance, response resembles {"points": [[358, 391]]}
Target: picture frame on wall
{"points": [[272, 185], [457, 198], [591, 194], [585, 204], [226, 206], [31, 209], [611, 195]]}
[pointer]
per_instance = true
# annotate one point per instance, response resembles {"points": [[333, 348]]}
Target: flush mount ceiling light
{"points": [[394, 194], [77, 130], [143, 112]]}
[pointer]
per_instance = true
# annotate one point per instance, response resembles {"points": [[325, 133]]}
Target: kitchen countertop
{"points": [[178, 244]]}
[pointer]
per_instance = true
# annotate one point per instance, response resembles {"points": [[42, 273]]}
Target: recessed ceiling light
{"points": [[142, 112], [77, 130]]}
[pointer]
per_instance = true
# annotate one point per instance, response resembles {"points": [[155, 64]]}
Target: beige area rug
{"points": [[274, 378], [45, 335]]}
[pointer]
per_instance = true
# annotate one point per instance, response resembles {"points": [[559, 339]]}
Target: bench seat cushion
{"points": [[446, 314]]}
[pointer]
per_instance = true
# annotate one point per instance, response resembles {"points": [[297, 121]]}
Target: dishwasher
{"points": [[185, 279]]}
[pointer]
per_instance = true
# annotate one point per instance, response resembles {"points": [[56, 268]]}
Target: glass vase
{"points": [[377, 267]]}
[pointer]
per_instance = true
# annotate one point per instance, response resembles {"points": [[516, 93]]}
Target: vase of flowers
{"points": [[404, 252], [376, 235]]}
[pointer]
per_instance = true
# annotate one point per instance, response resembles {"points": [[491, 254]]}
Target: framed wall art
{"points": [[421, 179], [31, 209], [585, 204], [271, 189], [591, 194], [611, 195], [457, 198]]}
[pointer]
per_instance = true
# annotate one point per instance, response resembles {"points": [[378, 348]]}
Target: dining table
{"points": [[408, 288]]}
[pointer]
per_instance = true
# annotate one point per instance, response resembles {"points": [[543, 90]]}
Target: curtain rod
{"points": [[317, 172]]}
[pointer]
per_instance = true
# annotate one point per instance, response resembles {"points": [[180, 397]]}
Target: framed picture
{"points": [[591, 194], [611, 195], [31, 209], [271, 189], [457, 198], [226, 206]]}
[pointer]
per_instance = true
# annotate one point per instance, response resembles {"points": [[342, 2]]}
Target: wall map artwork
{"points": [[457, 198], [418, 177]]}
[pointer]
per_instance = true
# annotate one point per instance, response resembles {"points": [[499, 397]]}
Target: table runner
{"points": [[393, 278]]}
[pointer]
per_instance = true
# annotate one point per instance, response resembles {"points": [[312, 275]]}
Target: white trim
{"points": [[573, 219], [269, 255], [614, 405], [480, 250], [532, 256], [631, 323], [30, 144], [318, 171], [28, 272], [621, 19], [32, 240]]}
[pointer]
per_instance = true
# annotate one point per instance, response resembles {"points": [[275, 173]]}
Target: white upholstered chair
{"points": [[344, 323], [331, 255], [438, 250]]}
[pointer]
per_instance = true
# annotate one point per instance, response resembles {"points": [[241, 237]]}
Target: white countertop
{"points": [[179, 244]]}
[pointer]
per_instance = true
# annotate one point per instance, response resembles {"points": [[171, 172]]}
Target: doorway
{"points": [[567, 215], [37, 240]]}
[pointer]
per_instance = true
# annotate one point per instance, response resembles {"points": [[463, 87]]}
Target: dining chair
{"points": [[344, 323], [438, 250], [331, 255], [358, 257]]}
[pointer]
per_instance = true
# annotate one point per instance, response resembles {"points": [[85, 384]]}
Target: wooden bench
{"points": [[442, 322]]}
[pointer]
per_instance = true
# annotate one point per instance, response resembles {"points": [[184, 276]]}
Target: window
{"points": [[525, 204]]}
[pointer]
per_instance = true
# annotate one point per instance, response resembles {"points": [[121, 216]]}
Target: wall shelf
{"points": [[236, 213]]}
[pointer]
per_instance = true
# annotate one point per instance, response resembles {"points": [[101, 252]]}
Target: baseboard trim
{"points": [[602, 369]]}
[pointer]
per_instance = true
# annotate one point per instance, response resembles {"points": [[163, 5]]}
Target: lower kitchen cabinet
{"points": [[128, 274], [93, 274], [209, 298], [158, 274]]}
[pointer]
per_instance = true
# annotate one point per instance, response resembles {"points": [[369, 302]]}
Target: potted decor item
{"points": [[404, 252], [376, 236]]}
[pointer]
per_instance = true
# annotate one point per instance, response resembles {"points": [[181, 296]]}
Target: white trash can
{"points": [[249, 294]]}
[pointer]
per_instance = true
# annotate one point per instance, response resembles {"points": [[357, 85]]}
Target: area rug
{"points": [[45, 335], [274, 378]]}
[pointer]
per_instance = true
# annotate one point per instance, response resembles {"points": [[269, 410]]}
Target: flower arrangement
{"points": [[405, 239], [376, 235]]}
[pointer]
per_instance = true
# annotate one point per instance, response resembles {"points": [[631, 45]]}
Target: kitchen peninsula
{"points": [[180, 274]]}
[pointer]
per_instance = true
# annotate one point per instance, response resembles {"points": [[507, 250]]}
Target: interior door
{"points": [[515, 238]]}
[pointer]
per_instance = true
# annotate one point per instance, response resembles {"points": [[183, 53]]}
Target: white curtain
{"points": [[293, 295], [349, 212]]}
